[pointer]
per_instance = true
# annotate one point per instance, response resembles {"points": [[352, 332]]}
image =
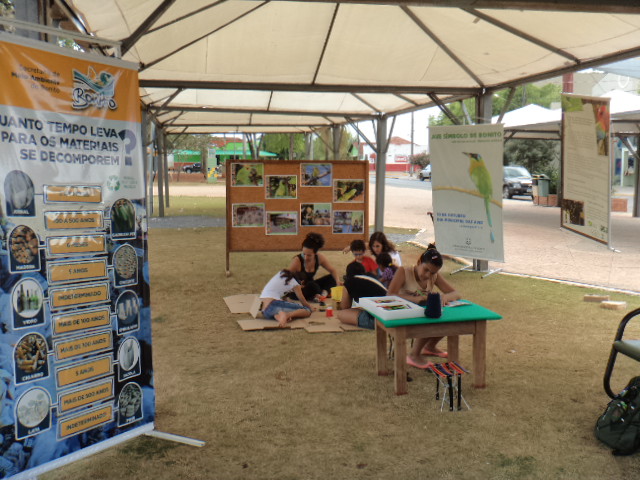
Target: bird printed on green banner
{"points": [[481, 178]]}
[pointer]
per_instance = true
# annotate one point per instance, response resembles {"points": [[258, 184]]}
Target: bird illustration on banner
{"points": [[602, 128], [481, 178]]}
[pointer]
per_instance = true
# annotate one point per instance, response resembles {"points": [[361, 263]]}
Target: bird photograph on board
{"points": [[481, 178], [282, 186]]}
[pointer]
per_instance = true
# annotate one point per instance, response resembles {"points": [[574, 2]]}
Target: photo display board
{"points": [[272, 205], [75, 339]]}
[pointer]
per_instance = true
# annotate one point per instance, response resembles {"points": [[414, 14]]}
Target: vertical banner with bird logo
{"points": [[467, 190], [586, 166], [75, 330]]}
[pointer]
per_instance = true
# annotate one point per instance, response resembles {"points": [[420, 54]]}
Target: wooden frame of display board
{"points": [[273, 204]]}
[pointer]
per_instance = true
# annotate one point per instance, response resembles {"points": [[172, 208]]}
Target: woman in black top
{"points": [[306, 265], [358, 284]]}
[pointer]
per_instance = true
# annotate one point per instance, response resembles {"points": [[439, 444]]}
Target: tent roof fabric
{"points": [[251, 65]]}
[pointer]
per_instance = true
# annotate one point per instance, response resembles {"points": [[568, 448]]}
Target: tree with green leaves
{"points": [[539, 156], [280, 144], [421, 159], [536, 155], [323, 144], [7, 10]]}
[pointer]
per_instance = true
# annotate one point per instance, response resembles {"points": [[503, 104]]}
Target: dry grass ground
{"points": [[293, 405]]}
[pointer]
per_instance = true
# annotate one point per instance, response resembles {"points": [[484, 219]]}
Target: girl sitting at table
{"points": [[413, 284]]}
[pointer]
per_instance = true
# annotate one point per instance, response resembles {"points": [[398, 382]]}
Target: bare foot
{"points": [[282, 318], [433, 352], [418, 362]]}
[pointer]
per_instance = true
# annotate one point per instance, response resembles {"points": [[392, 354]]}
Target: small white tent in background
{"points": [[532, 114], [529, 115], [622, 101]]}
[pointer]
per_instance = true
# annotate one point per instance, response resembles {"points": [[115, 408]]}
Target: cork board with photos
{"points": [[273, 204]]}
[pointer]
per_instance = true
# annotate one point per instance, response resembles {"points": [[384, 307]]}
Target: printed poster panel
{"points": [[586, 181], [73, 256], [467, 190]]}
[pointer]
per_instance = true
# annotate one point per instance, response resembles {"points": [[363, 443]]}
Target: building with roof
{"points": [[398, 154]]}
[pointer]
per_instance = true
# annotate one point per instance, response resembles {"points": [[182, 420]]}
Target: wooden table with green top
{"points": [[468, 319]]}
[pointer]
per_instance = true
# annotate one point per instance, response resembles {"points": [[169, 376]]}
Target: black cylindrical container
{"points": [[434, 306]]}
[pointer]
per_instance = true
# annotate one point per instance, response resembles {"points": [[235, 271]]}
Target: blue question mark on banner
{"points": [[130, 144]]}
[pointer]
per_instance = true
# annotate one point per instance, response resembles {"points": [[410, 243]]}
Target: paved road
{"points": [[534, 243]]}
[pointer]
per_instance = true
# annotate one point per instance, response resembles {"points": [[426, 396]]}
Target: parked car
{"points": [[517, 181], [192, 168], [425, 173]]}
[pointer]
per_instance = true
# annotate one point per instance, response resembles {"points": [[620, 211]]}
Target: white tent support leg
{"points": [[484, 105], [636, 183], [381, 149], [147, 132], [165, 168], [160, 172], [176, 438]]}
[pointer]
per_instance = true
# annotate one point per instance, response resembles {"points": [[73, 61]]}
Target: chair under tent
{"points": [[624, 346]]}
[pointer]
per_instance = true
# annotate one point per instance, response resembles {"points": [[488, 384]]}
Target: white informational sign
{"points": [[586, 166], [75, 343], [467, 176]]}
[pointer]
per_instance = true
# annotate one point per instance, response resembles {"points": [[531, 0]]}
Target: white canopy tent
{"points": [[247, 65], [273, 65]]}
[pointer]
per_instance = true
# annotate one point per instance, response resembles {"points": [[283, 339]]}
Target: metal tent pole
{"points": [[381, 153], [165, 169]]}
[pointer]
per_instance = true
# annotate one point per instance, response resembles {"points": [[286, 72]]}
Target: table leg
{"points": [[452, 348], [400, 360], [480, 354], [381, 349]]}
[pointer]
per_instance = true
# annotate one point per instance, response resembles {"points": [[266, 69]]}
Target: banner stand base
{"points": [[462, 269], [176, 438], [32, 474], [478, 266]]}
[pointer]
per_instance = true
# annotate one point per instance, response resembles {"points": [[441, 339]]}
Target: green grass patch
{"points": [[192, 206]]}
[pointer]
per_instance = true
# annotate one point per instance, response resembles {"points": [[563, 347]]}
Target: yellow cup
{"points": [[336, 293]]}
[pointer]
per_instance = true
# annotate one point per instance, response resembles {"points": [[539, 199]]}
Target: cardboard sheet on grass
{"points": [[318, 322]]}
